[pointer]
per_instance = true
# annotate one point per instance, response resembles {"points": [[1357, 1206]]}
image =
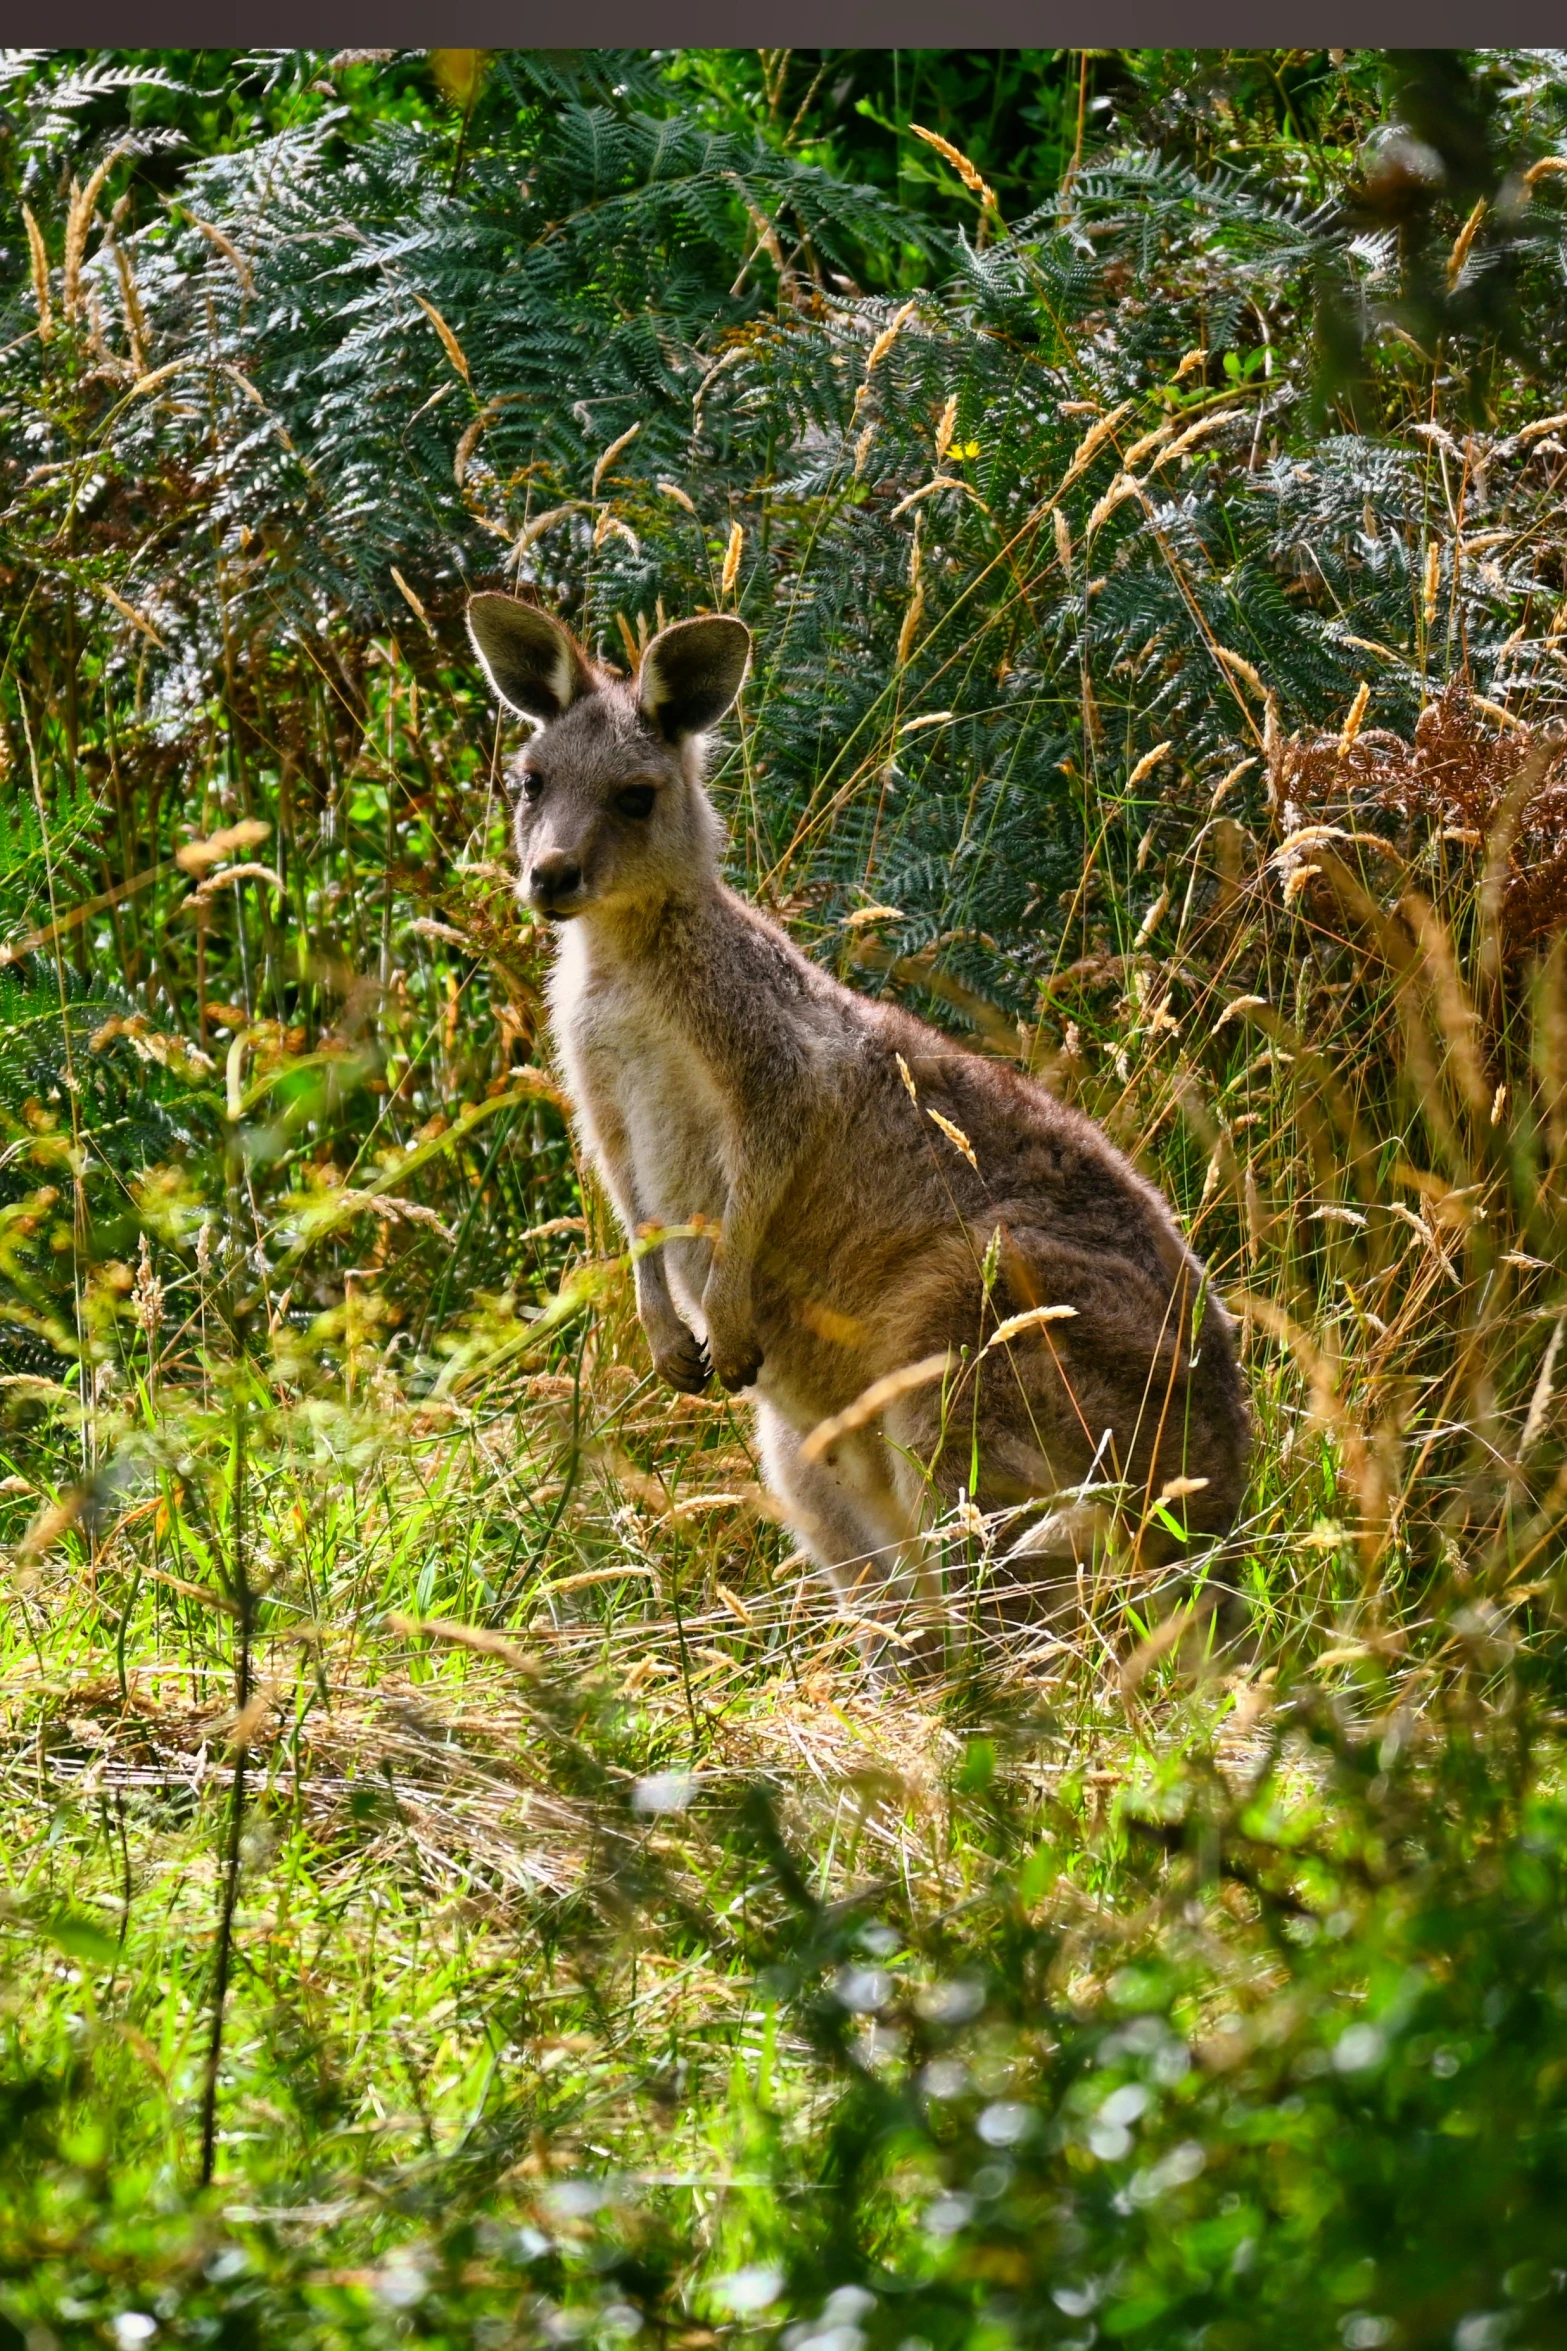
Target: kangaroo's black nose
{"points": [[553, 882]]}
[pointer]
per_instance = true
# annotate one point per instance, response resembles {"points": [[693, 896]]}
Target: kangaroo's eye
{"points": [[636, 800], [531, 786]]}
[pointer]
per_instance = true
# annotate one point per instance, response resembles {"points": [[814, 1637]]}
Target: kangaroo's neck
{"points": [[641, 939], [712, 967], [659, 951]]}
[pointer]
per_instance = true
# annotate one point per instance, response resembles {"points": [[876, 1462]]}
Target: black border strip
{"points": [[725, 24]]}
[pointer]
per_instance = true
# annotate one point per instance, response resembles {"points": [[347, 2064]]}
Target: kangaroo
{"points": [[868, 1196]]}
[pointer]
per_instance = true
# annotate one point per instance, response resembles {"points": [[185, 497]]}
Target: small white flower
{"points": [[847, 2305], [663, 1791], [575, 2199], [1358, 2047], [863, 1989], [952, 2003], [1482, 2330], [1076, 2301], [400, 2283], [747, 2290], [947, 2215], [1183, 2163], [1004, 2123]]}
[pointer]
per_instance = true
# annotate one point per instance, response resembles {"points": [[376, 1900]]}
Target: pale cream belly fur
{"points": [[628, 1073]]}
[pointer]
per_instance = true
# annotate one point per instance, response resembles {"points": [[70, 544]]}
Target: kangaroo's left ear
{"points": [[691, 673], [535, 665]]}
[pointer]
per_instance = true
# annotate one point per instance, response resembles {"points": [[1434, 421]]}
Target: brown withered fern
{"points": [[1466, 791]]}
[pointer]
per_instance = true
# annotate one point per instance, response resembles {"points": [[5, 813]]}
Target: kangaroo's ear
{"points": [[536, 666], [691, 673]]}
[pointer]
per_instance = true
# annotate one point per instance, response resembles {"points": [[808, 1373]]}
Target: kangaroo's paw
{"points": [[732, 1344], [736, 1360], [681, 1359]]}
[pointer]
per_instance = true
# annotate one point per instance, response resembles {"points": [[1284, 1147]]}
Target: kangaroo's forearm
{"points": [[609, 1148], [667, 1335]]}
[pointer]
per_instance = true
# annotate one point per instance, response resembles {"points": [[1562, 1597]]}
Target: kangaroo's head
{"points": [[610, 810]]}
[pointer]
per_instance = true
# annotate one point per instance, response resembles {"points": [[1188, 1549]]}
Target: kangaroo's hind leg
{"points": [[849, 1516], [1024, 1575]]}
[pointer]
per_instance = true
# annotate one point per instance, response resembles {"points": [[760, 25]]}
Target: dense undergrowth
{"points": [[462, 1881]]}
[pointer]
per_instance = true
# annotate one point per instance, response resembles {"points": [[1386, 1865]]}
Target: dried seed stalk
{"points": [[39, 255]]}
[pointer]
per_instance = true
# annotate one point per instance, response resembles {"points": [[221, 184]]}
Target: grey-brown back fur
{"points": [[718, 1074]]}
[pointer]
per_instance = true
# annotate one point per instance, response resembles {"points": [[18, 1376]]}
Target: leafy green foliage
{"points": [[1352, 2129]]}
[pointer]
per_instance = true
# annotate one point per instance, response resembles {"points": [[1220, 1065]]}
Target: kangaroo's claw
{"points": [[684, 1364]]}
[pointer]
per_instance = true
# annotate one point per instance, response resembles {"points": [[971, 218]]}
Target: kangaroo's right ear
{"points": [[536, 666], [691, 673]]}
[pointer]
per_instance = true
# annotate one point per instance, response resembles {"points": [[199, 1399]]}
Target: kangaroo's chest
{"points": [[652, 1113]]}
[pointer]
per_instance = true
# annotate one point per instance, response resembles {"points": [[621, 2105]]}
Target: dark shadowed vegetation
{"points": [[463, 1884]]}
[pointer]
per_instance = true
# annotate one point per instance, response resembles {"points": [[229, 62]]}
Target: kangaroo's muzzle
{"points": [[555, 885]]}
